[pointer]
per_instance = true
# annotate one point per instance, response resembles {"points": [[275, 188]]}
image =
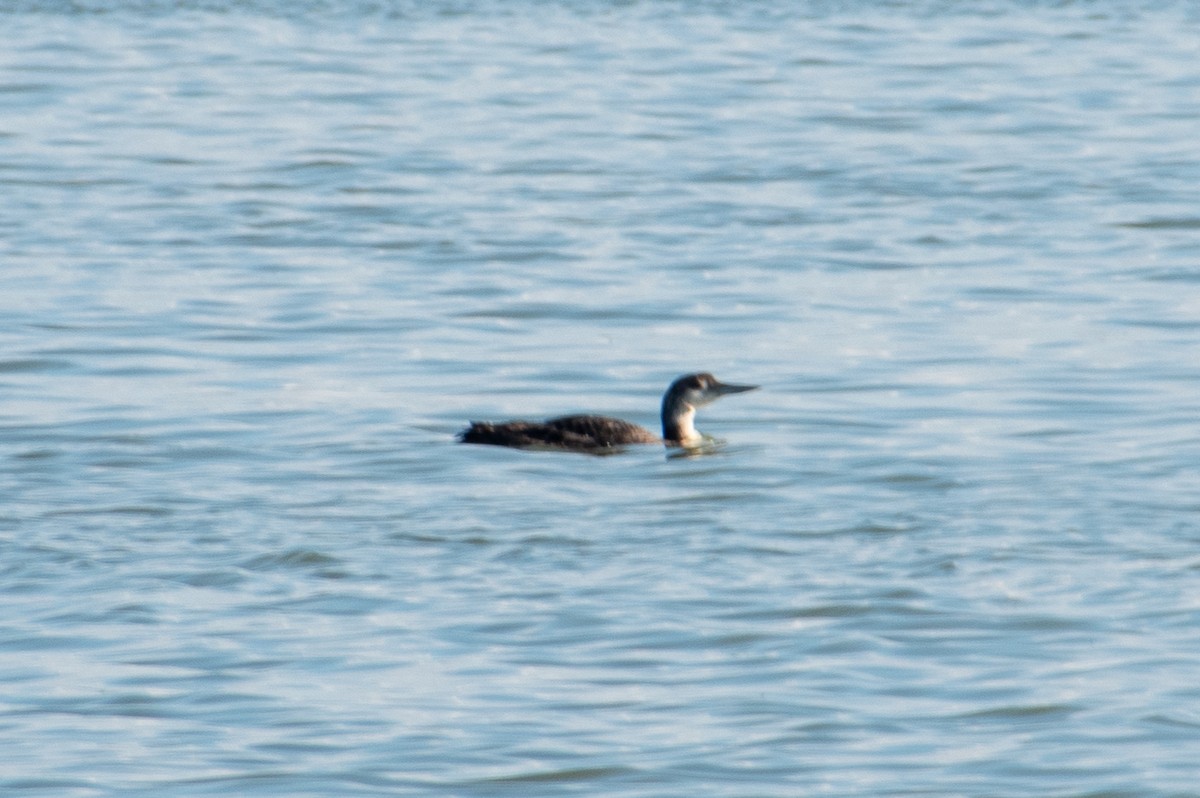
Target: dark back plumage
{"points": [[579, 433]]}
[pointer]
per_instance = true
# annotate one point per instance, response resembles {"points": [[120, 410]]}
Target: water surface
{"points": [[261, 262]]}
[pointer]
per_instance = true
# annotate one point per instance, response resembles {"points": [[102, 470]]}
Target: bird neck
{"points": [[679, 424]]}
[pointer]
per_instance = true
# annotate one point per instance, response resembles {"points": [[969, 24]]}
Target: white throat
{"points": [[687, 426]]}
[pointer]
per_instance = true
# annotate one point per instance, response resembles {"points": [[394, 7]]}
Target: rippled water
{"points": [[260, 263]]}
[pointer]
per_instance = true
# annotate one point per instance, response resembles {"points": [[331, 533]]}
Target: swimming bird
{"points": [[597, 434]]}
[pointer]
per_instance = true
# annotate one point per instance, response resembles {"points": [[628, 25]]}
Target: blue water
{"points": [[260, 262]]}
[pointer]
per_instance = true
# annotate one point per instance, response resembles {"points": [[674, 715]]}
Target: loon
{"points": [[600, 434]]}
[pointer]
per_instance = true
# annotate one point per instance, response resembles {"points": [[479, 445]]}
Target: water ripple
{"points": [[264, 260]]}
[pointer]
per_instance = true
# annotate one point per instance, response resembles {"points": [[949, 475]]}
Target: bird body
{"points": [[568, 432], [598, 434]]}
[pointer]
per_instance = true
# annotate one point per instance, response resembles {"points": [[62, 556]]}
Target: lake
{"points": [[261, 261]]}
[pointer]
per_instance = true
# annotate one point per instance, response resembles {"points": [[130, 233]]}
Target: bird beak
{"points": [[723, 388]]}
